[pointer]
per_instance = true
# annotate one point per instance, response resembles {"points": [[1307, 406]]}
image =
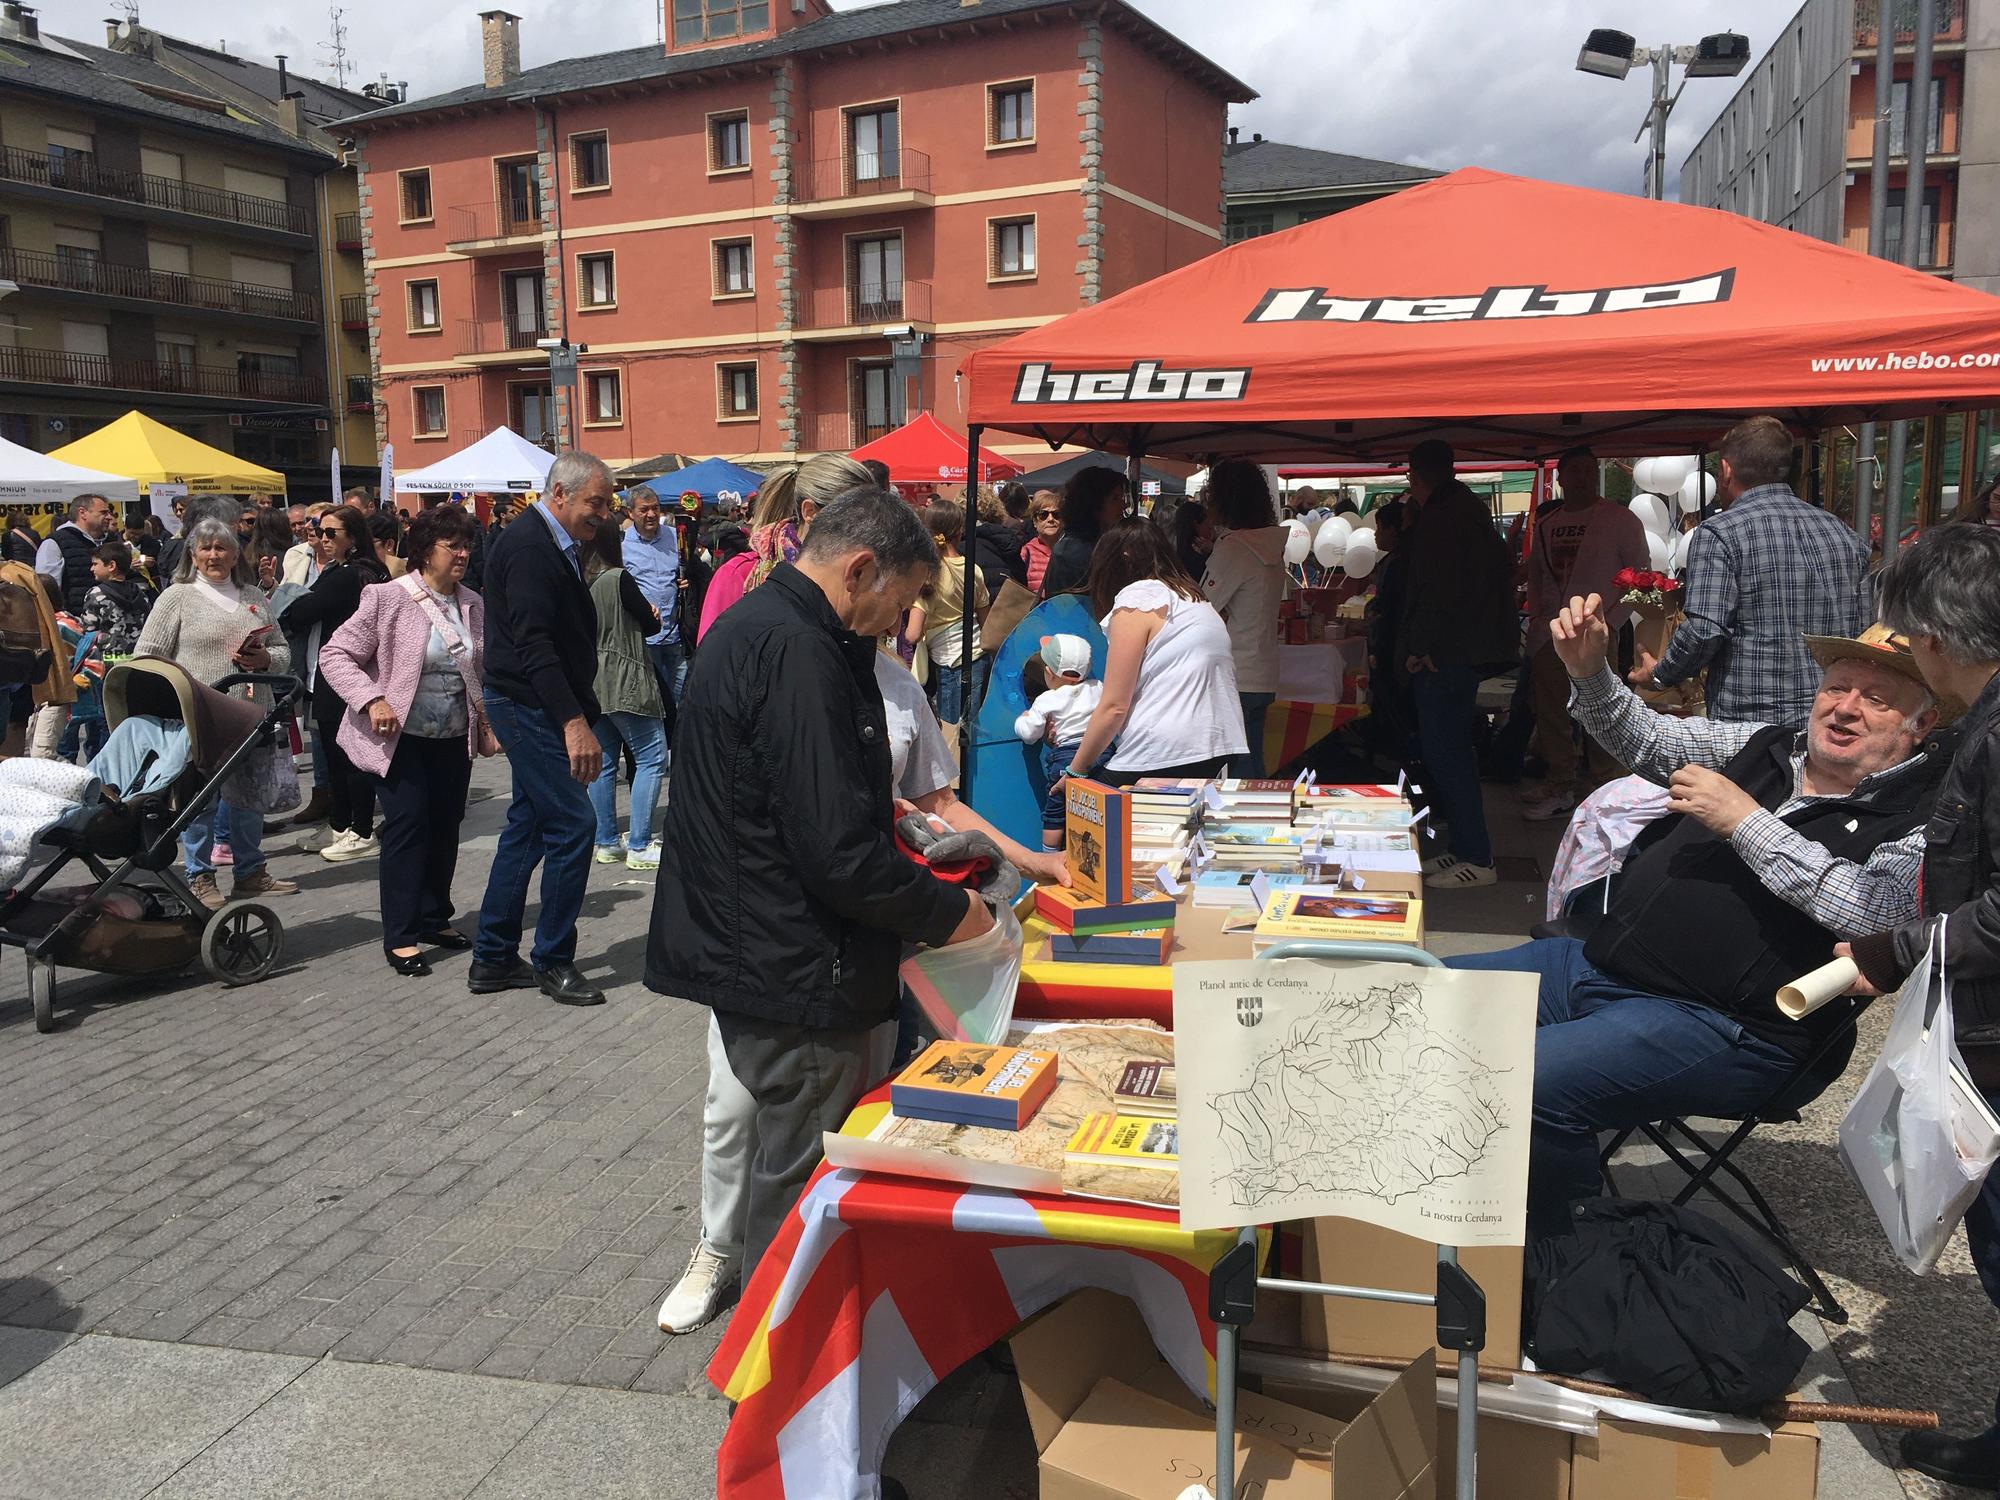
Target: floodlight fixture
{"points": [[1723, 54], [1608, 54]]}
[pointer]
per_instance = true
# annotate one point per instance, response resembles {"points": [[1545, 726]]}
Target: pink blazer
{"points": [[379, 653]]}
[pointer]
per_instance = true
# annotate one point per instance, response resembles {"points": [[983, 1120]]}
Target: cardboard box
{"points": [[1355, 1254], [1627, 1461], [1112, 1421], [1517, 1460]]}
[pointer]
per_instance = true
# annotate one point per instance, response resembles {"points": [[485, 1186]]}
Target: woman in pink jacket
{"points": [[408, 664]]}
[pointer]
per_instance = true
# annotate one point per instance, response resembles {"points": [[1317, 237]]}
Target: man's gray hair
{"points": [[865, 519], [207, 529], [574, 469], [82, 503], [1947, 584]]}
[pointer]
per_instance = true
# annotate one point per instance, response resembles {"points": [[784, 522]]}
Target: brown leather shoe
{"points": [[315, 810], [206, 891], [263, 883]]}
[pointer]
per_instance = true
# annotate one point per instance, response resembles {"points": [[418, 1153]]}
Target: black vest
{"points": [[77, 551], [1688, 918]]}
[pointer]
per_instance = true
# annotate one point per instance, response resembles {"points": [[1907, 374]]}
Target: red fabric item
{"points": [[967, 872], [1510, 316], [925, 451]]}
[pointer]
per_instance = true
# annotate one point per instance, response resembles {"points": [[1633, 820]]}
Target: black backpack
{"points": [[1666, 1303]]}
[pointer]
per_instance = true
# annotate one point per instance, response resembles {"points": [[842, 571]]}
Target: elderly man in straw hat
{"points": [[1779, 842]]}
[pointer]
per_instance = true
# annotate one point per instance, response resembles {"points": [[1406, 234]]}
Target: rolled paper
{"points": [[1809, 992]]}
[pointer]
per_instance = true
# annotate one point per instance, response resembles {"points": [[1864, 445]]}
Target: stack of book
{"points": [[1146, 1087], [1135, 932], [964, 1083], [1332, 914], [1358, 808], [1231, 889], [1164, 812], [1271, 847], [1238, 801]]}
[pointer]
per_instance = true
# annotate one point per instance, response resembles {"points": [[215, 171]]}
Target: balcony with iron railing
{"points": [[54, 367], [862, 182], [79, 172], [493, 228], [1948, 19], [844, 311], [360, 394], [347, 232], [501, 336], [93, 276], [354, 311]]}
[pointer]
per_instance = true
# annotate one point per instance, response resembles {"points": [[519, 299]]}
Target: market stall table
{"points": [[878, 1287]]}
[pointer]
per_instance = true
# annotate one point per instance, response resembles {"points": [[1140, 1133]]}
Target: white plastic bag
{"points": [[967, 990], [1918, 1147]]}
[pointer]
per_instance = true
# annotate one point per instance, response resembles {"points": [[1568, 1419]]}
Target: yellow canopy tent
{"points": [[139, 448]]}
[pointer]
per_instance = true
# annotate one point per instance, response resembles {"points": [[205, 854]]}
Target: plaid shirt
{"points": [[1765, 572], [1847, 899]]}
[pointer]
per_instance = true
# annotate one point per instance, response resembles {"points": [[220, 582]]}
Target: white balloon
{"points": [[1298, 542], [1652, 513], [1642, 474], [1672, 472], [1683, 545], [1660, 549], [1330, 541], [1696, 491], [1361, 557]]}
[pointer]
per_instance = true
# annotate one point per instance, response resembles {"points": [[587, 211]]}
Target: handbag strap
{"points": [[454, 642]]}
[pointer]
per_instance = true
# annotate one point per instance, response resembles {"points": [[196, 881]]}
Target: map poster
{"points": [[1394, 1095]]}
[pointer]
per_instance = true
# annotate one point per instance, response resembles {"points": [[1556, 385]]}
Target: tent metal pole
{"points": [[969, 622], [1867, 462], [1916, 146]]}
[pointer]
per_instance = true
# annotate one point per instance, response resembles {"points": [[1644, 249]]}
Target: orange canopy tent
{"points": [[925, 451], [1512, 317]]}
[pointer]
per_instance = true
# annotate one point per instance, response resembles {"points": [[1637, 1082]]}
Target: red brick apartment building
{"points": [[747, 225]]}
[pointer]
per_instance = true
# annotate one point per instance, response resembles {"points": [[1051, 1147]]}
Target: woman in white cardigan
{"points": [[212, 625], [408, 665]]}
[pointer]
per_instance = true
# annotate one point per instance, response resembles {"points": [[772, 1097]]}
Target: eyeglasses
{"points": [[1045, 515], [329, 531]]}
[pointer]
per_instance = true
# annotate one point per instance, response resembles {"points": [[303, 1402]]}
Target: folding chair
{"points": [[1782, 1106]]}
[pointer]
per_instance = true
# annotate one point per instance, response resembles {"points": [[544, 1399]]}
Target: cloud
{"points": [[1444, 83]]}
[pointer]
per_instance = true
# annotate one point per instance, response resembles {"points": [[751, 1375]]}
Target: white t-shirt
{"points": [[1072, 705], [1244, 581], [920, 761], [1185, 707]]}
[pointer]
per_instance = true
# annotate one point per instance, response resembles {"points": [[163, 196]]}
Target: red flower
{"points": [[1626, 578]]}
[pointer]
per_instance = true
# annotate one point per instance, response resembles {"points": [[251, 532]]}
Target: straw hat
{"points": [[1884, 647]]}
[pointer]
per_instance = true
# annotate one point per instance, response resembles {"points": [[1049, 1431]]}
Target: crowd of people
{"points": [[1831, 798]]}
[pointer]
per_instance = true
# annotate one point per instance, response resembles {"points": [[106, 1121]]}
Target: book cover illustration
{"points": [[1342, 916], [963, 1083], [1146, 1087], [1097, 840], [1128, 1141]]}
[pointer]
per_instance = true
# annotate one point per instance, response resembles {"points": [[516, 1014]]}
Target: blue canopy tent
{"points": [[1006, 777], [716, 480]]}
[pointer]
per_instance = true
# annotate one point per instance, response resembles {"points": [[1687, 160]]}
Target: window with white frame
{"points": [[596, 280], [735, 392], [1010, 113], [728, 142], [1013, 247], [414, 194], [427, 402], [424, 306], [590, 161], [603, 398], [734, 276]]}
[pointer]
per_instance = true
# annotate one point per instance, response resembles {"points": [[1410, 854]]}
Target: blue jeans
{"points": [[88, 735], [951, 687], [548, 824], [648, 741], [238, 827], [1055, 761], [671, 663], [1608, 1057], [1251, 762], [1446, 700]]}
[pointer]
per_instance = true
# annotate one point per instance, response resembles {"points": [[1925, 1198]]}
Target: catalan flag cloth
{"points": [[878, 1287], [1292, 728]]}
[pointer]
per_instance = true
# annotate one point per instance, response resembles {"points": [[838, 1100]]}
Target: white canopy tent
{"points": [[500, 463], [31, 478]]}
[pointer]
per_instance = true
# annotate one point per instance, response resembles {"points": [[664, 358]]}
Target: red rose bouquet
{"points": [[1644, 587]]}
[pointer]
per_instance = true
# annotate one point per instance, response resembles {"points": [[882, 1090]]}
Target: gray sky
{"points": [[1445, 83]]}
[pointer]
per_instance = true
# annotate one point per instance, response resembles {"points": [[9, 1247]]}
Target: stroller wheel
{"points": [[42, 990], [242, 943]]}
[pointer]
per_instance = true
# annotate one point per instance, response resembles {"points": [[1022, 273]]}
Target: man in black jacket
{"points": [[1944, 591], [1458, 626], [1777, 844], [541, 665], [783, 903]]}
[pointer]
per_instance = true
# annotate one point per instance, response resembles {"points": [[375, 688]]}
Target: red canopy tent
{"points": [[1511, 317], [925, 451]]}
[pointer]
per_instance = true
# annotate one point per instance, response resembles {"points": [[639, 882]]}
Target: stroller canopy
{"points": [[153, 687]]}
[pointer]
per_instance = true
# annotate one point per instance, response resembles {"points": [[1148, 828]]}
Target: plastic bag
{"points": [[967, 990], [1918, 1146]]}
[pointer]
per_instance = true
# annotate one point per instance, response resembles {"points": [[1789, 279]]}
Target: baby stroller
{"points": [[174, 744]]}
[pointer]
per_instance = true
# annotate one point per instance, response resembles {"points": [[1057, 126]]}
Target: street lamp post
{"points": [[1612, 54]]}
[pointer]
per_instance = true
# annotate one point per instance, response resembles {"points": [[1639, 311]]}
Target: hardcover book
{"points": [[1146, 1087], [1341, 916], [1097, 840], [963, 1083], [1145, 945], [1070, 912]]}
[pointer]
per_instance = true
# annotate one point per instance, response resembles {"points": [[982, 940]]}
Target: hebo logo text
{"points": [[1143, 380], [1315, 304]]}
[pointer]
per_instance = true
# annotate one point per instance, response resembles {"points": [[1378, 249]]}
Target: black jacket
{"points": [[781, 892], [78, 547], [1458, 600], [330, 603], [997, 554], [1069, 564], [1961, 880], [541, 627], [1689, 919]]}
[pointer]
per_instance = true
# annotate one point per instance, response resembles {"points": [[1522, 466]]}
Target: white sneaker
{"points": [[320, 838], [647, 858], [698, 1294], [350, 846], [1432, 863], [1547, 809], [1458, 874], [609, 854]]}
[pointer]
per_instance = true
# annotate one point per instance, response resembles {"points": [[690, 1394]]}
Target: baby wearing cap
{"points": [[1057, 719]]}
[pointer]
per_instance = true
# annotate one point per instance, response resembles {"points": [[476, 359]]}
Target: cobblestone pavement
{"points": [[342, 1161]]}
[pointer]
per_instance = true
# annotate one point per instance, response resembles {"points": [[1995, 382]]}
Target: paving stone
{"points": [[606, 1445]]}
